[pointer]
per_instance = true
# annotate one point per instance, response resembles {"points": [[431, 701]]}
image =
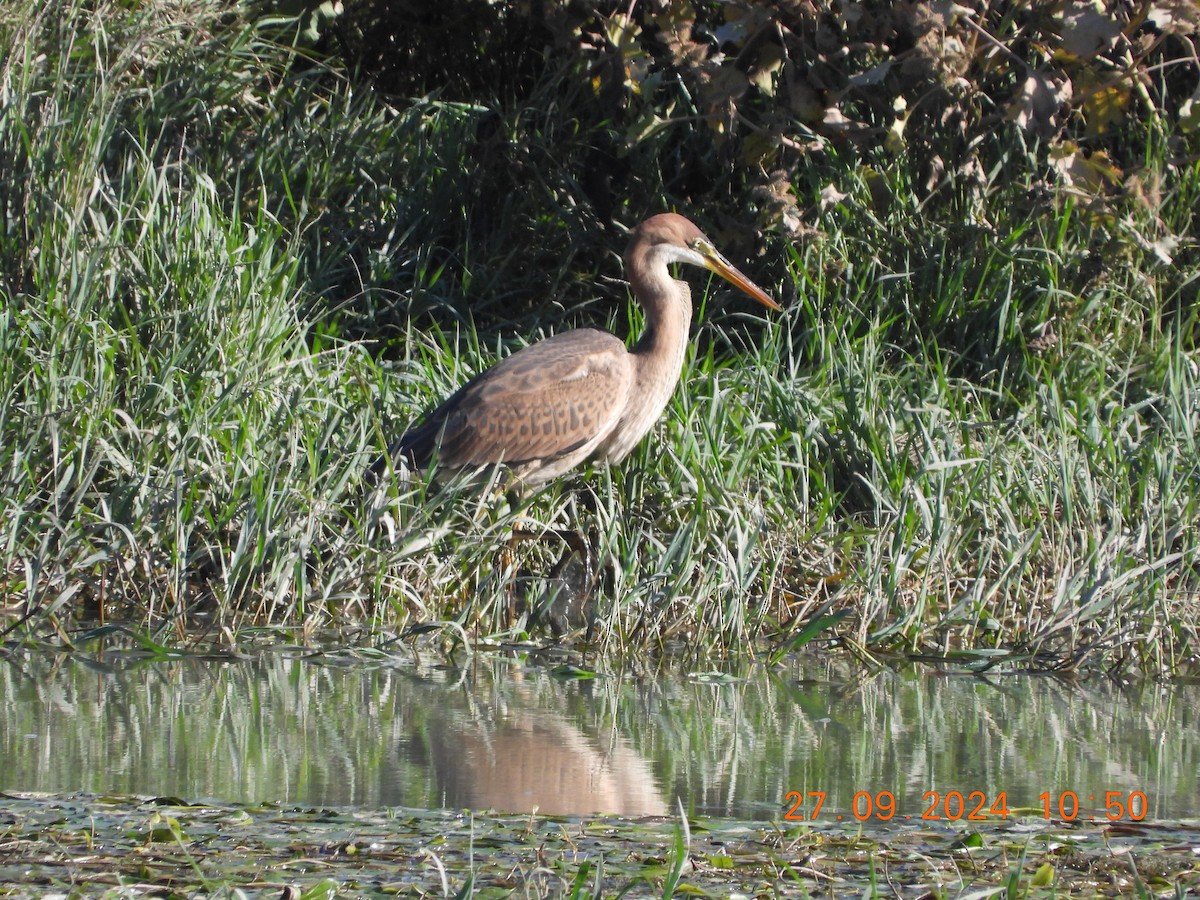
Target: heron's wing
{"points": [[544, 401]]}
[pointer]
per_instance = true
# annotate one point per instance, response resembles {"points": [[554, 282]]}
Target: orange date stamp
{"points": [[972, 806]]}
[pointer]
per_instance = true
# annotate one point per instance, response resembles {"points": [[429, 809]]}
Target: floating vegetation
{"points": [[97, 846]]}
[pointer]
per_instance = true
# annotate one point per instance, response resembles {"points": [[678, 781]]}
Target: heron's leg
{"points": [[580, 587], [576, 544], [507, 558], [583, 603]]}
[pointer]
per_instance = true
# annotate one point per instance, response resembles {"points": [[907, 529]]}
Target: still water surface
{"points": [[506, 735]]}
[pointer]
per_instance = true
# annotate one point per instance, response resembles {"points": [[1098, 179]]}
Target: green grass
{"points": [[228, 275]]}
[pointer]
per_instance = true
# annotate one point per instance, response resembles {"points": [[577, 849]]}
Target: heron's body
{"points": [[581, 394]]}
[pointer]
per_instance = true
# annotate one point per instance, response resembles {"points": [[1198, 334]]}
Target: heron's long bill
{"points": [[715, 262]]}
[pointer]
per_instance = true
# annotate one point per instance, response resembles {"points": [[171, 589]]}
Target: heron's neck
{"points": [[661, 348], [657, 355], [666, 302], [668, 319]]}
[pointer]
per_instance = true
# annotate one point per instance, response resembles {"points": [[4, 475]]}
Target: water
{"points": [[506, 735]]}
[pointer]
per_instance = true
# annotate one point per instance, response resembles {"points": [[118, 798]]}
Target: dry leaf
{"points": [[835, 123], [878, 188], [1174, 16], [1189, 112], [719, 93], [779, 202], [830, 197], [1104, 108], [1045, 340], [1090, 176], [767, 64], [1038, 105], [894, 141], [1162, 249], [940, 14], [1087, 32], [675, 23], [935, 168], [803, 99], [873, 75]]}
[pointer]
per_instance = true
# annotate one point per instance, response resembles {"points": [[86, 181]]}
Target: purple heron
{"points": [[581, 394]]}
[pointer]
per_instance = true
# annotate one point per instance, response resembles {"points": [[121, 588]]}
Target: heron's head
{"points": [[671, 238]]}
